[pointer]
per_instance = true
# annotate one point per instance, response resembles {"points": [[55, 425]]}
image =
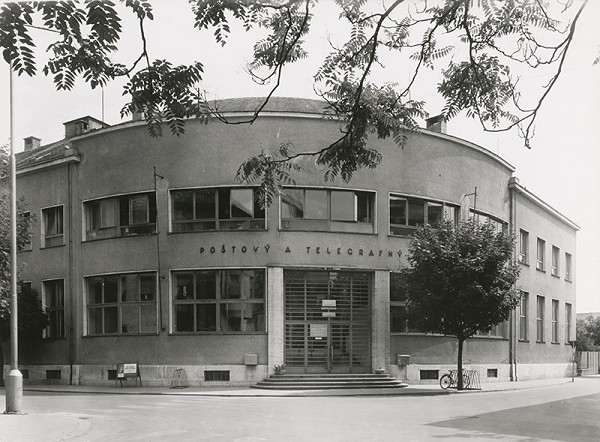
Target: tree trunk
{"points": [[1, 366], [459, 365]]}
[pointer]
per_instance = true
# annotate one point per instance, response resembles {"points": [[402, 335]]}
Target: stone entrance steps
{"points": [[328, 381]]}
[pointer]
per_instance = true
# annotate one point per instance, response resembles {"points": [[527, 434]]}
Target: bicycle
{"points": [[450, 379]]}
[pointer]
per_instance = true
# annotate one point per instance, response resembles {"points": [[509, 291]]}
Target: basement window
{"points": [[492, 372], [52, 374], [216, 375], [428, 374]]}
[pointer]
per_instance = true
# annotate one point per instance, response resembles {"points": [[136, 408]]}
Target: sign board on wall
{"points": [[318, 331]]}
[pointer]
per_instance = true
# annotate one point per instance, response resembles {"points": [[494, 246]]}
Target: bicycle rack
{"points": [[470, 379]]}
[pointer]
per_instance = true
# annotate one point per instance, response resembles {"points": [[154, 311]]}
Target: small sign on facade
{"points": [[328, 304], [318, 331]]}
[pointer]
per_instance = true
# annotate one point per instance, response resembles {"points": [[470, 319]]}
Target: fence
{"points": [[588, 362]]}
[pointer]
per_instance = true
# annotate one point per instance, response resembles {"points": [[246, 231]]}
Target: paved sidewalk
{"points": [[411, 390]]}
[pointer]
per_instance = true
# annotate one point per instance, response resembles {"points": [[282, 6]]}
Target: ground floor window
{"points": [[219, 301], [53, 298], [121, 304]]}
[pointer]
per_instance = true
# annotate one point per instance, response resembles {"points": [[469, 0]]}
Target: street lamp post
{"points": [[14, 380]]}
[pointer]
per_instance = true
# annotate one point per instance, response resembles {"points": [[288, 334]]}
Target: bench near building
{"points": [[146, 250]]}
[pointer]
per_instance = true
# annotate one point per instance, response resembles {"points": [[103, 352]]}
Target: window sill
{"points": [[122, 335], [555, 276], [523, 340], [497, 338], [555, 343], [218, 231], [540, 270], [118, 237], [540, 342], [328, 231], [569, 280], [217, 333], [526, 264], [55, 338], [52, 247]]}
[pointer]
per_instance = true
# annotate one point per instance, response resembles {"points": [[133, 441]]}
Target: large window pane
{"points": [[139, 209], [94, 213], [183, 205], [111, 288], [342, 205], [184, 285], [398, 210], [416, 212], [434, 213], [147, 287], [184, 317], [292, 203], [364, 207], [129, 319], [111, 319], [242, 203], [224, 204], [95, 290], [206, 285], [398, 319], [315, 204], [148, 318], [205, 204], [110, 210], [206, 317], [95, 321], [129, 288]]}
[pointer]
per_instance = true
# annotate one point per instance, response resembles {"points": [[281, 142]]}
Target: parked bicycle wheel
{"points": [[445, 381]]}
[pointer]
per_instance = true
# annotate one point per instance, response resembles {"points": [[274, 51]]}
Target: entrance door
{"points": [[327, 322]]}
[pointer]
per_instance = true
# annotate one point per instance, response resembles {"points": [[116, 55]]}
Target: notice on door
{"points": [[318, 331]]}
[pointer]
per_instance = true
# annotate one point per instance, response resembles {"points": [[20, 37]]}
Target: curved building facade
{"points": [[146, 250]]}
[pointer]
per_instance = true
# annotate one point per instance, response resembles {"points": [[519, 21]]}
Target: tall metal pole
{"points": [[14, 381]]}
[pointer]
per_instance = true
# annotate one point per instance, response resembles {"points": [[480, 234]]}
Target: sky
{"points": [[562, 167]]}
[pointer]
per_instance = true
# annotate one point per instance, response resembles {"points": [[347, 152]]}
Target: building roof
{"points": [[275, 104]]}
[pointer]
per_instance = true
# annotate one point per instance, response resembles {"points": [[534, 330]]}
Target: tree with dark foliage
{"points": [[461, 280], [474, 44]]}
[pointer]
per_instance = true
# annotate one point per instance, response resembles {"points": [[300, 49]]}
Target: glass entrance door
{"points": [[327, 322]]}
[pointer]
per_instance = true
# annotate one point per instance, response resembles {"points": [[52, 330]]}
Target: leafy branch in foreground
{"points": [[474, 46]]}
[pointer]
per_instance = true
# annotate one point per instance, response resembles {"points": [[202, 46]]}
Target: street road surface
{"points": [[569, 412]]}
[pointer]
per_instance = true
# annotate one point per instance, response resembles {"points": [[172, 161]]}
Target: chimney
{"points": [[436, 124], [31, 143], [83, 125]]}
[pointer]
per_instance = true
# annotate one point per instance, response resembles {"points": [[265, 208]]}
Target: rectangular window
{"points": [[524, 246], [541, 305], [407, 213], [53, 299], [523, 316], [328, 210], [554, 320], [125, 215], [568, 268], [122, 304], [568, 320], [492, 372], [555, 261], [196, 210], [52, 227], [428, 374], [27, 221], [219, 301], [498, 330], [541, 251]]}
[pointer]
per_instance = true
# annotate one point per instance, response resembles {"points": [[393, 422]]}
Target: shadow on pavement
{"points": [[570, 419]]}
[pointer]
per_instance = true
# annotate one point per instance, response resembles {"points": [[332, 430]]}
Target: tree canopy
{"points": [[588, 333], [475, 45], [461, 280]]}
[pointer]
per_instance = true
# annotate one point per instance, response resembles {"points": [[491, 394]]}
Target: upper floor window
{"points": [[498, 330], [524, 317], [124, 215], [524, 246], [555, 320], [217, 209], [328, 210], [541, 305], [407, 213], [219, 301], [53, 299], [568, 268], [555, 261], [541, 251], [52, 226], [483, 218], [121, 304], [27, 221], [568, 321]]}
